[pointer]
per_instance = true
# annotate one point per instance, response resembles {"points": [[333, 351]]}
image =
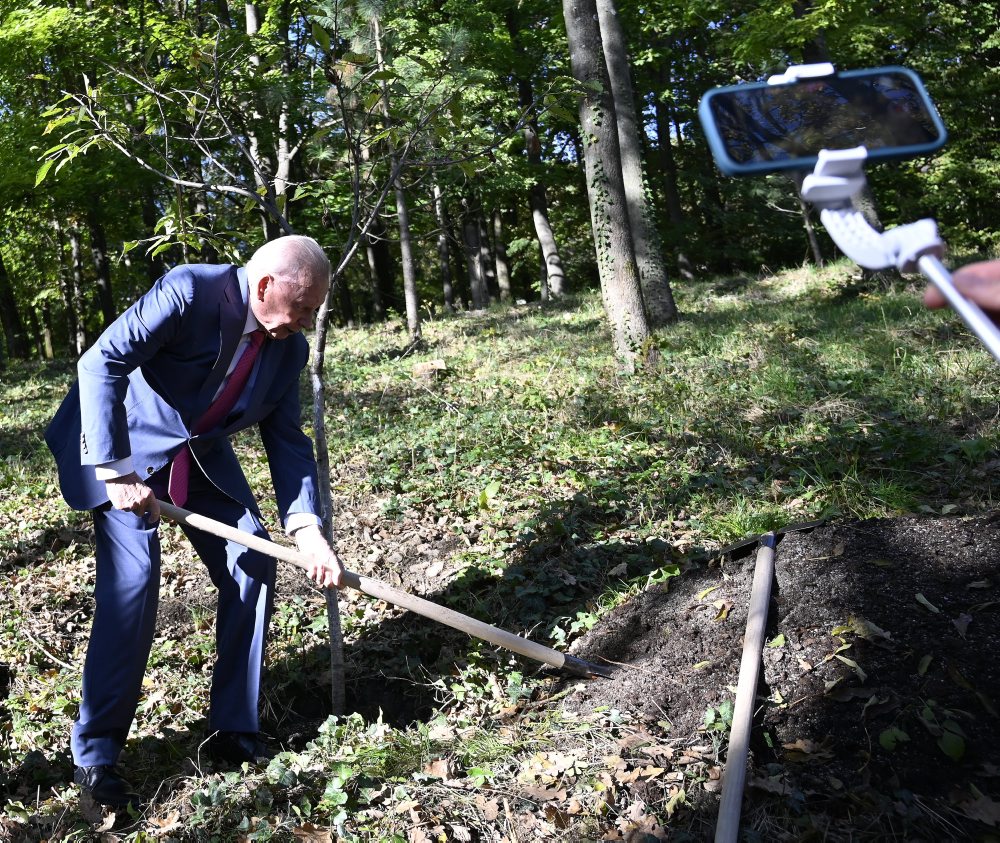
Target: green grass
{"points": [[567, 487]]}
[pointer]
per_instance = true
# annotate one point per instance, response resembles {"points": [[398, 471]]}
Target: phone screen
{"points": [[762, 127]]}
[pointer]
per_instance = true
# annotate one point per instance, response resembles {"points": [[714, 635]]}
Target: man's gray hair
{"points": [[294, 259]]}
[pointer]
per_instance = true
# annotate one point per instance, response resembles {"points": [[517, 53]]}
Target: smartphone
{"points": [[761, 127]]}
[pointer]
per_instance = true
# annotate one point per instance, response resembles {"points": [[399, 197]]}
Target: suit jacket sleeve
{"points": [[290, 457]]}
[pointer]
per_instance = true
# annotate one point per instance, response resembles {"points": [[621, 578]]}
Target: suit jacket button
{"points": [[149, 470]]}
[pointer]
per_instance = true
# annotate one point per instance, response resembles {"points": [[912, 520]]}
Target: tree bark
{"points": [[487, 259], [444, 257], [537, 198], [474, 257], [383, 270], [619, 272], [655, 285], [76, 289], [670, 185], [500, 251], [814, 247], [16, 339], [316, 364], [99, 253], [409, 265]]}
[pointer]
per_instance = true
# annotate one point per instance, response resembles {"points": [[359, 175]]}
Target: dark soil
{"points": [[880, 691]]}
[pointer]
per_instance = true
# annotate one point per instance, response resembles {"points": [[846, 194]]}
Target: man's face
{"points": [[284, 308]]}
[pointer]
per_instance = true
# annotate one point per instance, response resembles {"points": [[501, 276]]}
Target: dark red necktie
{"points": [[220, 408]]}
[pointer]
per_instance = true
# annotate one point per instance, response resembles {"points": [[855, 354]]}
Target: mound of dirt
{"points": [[879, 678]]}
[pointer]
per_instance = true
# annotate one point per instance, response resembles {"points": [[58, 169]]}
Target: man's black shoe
{"points": [[105, 786], [237, 747]]}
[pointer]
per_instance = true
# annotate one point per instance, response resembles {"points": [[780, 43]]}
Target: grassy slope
{"points": [[777, 400]]}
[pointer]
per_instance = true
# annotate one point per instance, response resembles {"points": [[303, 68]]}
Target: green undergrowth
{"points": [[564, 488]]}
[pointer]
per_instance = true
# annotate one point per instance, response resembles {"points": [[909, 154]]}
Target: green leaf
{"points": [[853, 665], [952, 745], [321, 36], [777, 641], [923, 601], [925, 663], [43, 171], [893, 736]]}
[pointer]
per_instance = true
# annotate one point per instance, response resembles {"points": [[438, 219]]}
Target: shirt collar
{"points": [[251, 323]]}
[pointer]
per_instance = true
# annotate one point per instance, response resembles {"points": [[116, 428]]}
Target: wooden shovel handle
{"points": [[382, 591]]}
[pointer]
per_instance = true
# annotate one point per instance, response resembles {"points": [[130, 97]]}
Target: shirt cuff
{"points": [[298, 520], [115, 469]]}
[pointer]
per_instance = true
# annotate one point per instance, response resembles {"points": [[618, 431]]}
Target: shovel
{"points": [[383, 591]]}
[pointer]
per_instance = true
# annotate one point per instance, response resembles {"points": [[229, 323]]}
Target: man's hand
{"points": [[978, 282], [130, 494], [327, 569]]}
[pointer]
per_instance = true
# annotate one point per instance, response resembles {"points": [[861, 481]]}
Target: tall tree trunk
{"points": [[48, 345], [66, 289], [76, 273], [543, 278], [383, 270], [487, 259], [16, 339], [405, 243], [265, 171], [670, 186], [537, 198], [474, 256], [656, 290], [335, 630], [346, 301], [444, 258], [817, 252], [500, 251], [99, 252], [616, 261]]}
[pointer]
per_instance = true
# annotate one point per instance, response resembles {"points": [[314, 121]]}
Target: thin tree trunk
{"points": [[405, 243], [668, 164], [444, 258], [817, 252], [474, 257], [48, 346], [382, 268], [487, 259], [99, 252], [337, 670], [346, 303], [500, 250], [656, 290], [543, 277], [16, 339], [66, 289], [537, 199], [616, 261], [76, 273]]}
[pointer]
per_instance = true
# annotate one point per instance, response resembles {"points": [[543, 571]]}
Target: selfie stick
{"points": [[839, 176]]}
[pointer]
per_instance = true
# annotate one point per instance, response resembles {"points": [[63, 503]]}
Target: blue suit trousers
{"points": [[127, 596]]}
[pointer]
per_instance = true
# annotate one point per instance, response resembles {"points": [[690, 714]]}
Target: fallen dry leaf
{"points": [[311, 834]]}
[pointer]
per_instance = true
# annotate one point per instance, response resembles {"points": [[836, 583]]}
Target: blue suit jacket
{"points": [[154, 372]]}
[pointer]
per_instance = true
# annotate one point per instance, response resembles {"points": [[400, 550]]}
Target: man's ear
{"points": [[262, 285]]}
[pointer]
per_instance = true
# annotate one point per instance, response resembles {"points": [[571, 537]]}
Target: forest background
{"points": [[462, 157], [436, 149]]}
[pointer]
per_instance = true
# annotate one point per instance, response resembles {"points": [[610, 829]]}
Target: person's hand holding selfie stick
{"points": [[834, 123], [977, 282]]}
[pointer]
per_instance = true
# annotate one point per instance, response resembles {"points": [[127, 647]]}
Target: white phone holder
{"points": [[839, 176]]}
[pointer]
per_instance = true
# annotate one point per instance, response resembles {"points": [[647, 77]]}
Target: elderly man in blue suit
{"points": [[208, 351]]}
